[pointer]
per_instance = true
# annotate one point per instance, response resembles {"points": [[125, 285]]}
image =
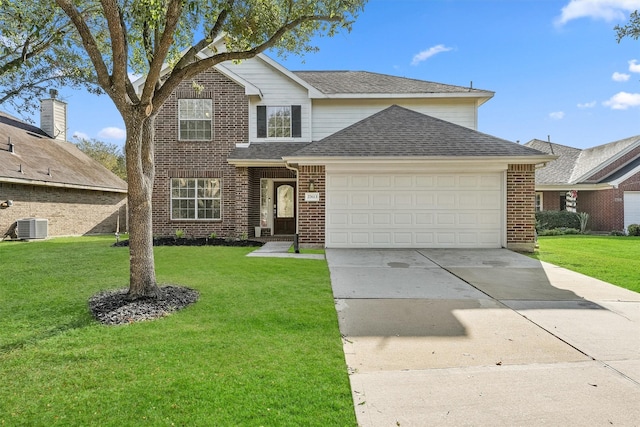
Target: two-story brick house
{"points": [[344, 159]]}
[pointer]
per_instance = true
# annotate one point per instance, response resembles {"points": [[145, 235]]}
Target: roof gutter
{"points": [[440, 160], [565, 187], [61, 185], [257, 162]]}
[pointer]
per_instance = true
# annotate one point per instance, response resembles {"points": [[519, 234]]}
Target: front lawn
{"points": [[613, 259], [260, 347]]}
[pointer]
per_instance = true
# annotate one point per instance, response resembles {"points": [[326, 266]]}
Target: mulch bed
{"points": [[114, 308], [200, 241]]}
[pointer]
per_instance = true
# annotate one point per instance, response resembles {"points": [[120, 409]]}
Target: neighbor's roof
{"points": [[45, 161], [399, 132], [560, 170], [575, 166], [364, 82]]}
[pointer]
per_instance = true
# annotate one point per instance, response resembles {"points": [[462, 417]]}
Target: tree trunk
{"points": [[140, 172]]}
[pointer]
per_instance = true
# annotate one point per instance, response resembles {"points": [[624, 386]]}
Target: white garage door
{"points": [[631, 208], [388, 210]]}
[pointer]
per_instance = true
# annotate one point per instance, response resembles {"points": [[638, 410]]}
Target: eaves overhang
{"points": [[426, 160], [481, 97], [61, 185], [578, 187], [257, 162]]}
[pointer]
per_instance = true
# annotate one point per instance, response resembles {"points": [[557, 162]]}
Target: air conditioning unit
{"points": [[32, 228]]}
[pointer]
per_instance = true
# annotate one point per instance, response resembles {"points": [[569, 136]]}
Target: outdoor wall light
{"points": [[7, 204], [312, 185]]}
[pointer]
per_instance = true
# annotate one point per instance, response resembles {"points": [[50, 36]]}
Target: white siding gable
{"points": [[277, 90], [330, 116]]}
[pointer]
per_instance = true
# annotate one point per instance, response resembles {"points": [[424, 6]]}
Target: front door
{"points": [[284, 209]]}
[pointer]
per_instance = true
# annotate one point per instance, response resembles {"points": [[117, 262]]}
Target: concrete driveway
{"points": [[484, 337]]}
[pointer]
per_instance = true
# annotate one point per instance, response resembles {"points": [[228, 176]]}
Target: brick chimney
{"points": [[53, 116]]}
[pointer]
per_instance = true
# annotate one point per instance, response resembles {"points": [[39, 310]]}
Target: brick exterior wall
{"points": [[311, 219], [605, 207], [70, 212], [203, 159], [521, 207]]}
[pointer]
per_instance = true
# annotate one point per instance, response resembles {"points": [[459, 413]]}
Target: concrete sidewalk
{"points": [[484, 337], [280, 250]]}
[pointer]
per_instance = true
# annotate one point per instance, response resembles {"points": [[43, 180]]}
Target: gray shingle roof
{"points": [[399, 132], [592, 158], [574, 165], [267, 151], [38, 155], [352, 82], [558, 171]]}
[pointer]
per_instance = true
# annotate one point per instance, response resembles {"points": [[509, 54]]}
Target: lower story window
{"points": [[195, 198], [538, 202]]}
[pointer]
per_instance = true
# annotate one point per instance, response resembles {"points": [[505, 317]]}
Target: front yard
{"points": [[613, 259], [260, 347]]}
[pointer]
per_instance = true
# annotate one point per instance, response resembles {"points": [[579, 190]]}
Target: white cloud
{"points": [[620, 77], [623, 101], [80, 135], [112, 133], [557, 115], [587, 104], [426, 54], [607, 10], [634, 67]]}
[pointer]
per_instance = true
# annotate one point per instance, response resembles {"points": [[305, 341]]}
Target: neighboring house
{"points": [[43, 176], [606, 178], [342, 158]]}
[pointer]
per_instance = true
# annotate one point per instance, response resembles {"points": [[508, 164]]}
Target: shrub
{"points": [[559, 231], [633, 230], [617, 233], [571, 231], [557, 219], [584, 219], [553, 232]]}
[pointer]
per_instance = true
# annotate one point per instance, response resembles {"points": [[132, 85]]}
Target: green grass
{"points": [[260, 348], [609, 258]]}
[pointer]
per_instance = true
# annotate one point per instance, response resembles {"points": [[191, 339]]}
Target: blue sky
{"points": [[555, 65]]}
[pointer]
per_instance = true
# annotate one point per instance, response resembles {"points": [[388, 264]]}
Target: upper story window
{"points": [[283, 121], [194, 119]]}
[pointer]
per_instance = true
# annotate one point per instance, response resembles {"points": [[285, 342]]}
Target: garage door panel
{"points": [[631, 208], [425, 210], [424, 219]]}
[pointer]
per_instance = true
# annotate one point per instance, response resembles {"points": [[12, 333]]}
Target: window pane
{"points": [[285, 201], [279, 122], [194, 119]]}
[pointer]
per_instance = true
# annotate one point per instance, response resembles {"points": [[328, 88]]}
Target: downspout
{"points": [[296, 246]]}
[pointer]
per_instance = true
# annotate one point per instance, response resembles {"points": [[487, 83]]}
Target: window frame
{"points": [[263, 122], [539, 201], [196, 198], [208, 132]]}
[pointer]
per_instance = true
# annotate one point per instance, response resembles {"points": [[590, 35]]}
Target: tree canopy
{"points": [[37, 52], [108, 155], [630, 29], [161, 40]]}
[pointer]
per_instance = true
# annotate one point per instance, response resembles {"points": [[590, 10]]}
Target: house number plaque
{"points": [[311, 197]]}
